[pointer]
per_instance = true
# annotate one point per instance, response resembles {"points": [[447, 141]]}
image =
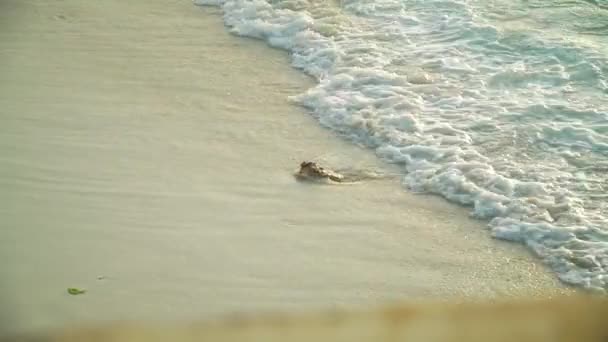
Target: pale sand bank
{"points": [[563, 319], [142, 143]]}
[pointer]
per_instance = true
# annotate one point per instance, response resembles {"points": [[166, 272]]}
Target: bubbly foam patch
{"points": [[513, 124]]}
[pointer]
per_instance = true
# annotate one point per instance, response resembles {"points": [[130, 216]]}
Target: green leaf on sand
{"points": [[76, 291]]}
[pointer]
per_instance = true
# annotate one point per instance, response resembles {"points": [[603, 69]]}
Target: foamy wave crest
{"points": [[508, 124]]}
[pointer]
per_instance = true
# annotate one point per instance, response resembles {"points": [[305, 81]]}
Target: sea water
{"points": [[500, 105]]}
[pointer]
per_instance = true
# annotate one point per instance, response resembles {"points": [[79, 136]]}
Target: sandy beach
{"points": [[147, 156]]}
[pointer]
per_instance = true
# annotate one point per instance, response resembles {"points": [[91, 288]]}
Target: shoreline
{"points": [[149, 147]]}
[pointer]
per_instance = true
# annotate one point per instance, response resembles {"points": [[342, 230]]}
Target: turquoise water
{"points": [[497, 105]]}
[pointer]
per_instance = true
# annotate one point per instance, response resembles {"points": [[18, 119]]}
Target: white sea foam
{"points": [[510, 123]]}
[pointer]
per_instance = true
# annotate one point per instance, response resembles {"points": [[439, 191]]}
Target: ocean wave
{"points": [[509, 123]]}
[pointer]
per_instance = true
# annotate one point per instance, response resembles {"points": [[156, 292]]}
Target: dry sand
{"points": [[147, 156], [563, 319]]}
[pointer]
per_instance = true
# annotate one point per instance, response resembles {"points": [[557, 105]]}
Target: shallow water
{"points": [[498, 105]]}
